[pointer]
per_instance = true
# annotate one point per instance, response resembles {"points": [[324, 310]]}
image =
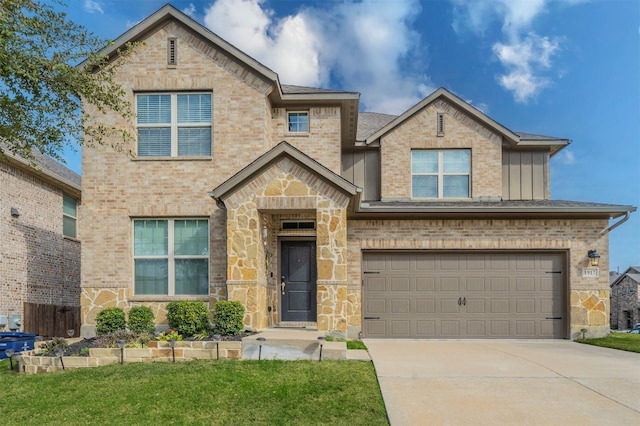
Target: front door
{"points": [[298, 280]]}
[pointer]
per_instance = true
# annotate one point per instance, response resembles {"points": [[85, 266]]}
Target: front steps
{"points": [[291, 344]]}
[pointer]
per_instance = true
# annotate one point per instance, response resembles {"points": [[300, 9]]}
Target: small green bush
{"points": [[228, 318], [188, 318], [141, 320], [110, 320]]}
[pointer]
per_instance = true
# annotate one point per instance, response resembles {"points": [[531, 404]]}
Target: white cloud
{"points": [[189, 10], [526, 56], [367, 46], [92, 6], [524, 61], [566, 157]]}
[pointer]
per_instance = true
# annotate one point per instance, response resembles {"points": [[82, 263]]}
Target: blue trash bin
{"points": [[17, 341]]}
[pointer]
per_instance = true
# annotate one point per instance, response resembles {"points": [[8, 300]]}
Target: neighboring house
{"points": [[40, 250], [434, 223], [625, 302]]}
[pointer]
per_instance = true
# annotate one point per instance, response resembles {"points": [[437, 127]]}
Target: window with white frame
{"points": [[441, 173], [298, 122], [174, 124], [69, 216], [171, 256]]}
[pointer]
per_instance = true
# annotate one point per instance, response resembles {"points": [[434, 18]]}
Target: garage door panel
{"points": [[425, 306], [457, 295], [425, 284], [449, 284], [498, 284], [401, 306], [374, 284], [476, 284], [400, 284]]}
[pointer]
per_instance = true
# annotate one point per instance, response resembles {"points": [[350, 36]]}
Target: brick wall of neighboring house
{"points": [[37, 263], [588, 297], [625, 298], [420, 132], [118, 188]]}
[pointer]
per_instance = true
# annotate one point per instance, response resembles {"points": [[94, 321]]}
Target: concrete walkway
{"points": [[506, 382]]}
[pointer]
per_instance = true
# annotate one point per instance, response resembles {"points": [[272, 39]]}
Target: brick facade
{"points": [[37, 263], [249, 123]]}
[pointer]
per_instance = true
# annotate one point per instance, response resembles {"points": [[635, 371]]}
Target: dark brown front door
{"points": [[298, 280]]}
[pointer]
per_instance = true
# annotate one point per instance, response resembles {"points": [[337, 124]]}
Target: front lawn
{"points": [[226, 392], [622, 341]]}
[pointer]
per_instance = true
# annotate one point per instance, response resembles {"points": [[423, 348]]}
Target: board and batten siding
{"points": [[525, 175], [362, 168]]}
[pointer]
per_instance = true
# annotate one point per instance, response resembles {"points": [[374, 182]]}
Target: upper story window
{"points": [[171, 256], [69, 216], [298, 122], [441, 173], [174, 124]]}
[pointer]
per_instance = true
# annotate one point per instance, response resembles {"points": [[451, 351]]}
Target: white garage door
{"points": [[463, 295]]}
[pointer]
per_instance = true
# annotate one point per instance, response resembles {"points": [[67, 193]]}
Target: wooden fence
{"points": [[51, 320]]}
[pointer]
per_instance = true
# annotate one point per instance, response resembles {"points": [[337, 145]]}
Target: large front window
{"points": [[171, 256], [174, 124], [440, 174]]}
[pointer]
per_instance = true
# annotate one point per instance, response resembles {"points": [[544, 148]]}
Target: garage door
{"points": [[463, 295]]}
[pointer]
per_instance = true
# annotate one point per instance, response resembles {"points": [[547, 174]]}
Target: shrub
{"points": [[188, 318], [228, 318], [134, 340], [141, 320], [48, 348], [110, 320]]}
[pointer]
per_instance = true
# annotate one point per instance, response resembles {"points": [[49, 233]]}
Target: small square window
{"points": [[298, 122]]}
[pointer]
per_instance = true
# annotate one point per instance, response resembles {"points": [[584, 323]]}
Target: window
{"points": [[174, 124], [298, 122], [171, 257], [69, 216], [440, 174]]}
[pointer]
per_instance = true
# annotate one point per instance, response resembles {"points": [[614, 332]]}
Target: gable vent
{"points": [[172, 51], [440, 124]]}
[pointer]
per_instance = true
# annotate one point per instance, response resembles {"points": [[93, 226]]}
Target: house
{"points": [[40, 250], [625, 302], [434, 223]]}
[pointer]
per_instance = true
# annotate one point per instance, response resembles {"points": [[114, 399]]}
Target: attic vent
{"points": [[298, 225], [172, 51], [440, 124]]}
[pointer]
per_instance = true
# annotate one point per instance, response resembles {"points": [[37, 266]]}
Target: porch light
{"points": [[59, 352], [172, 343], [121, 344], [594, 257], [264, 235], [321, 340], [9, 353]]}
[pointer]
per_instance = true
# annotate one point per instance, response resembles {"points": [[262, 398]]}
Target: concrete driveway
{"points": [[504, 382]]}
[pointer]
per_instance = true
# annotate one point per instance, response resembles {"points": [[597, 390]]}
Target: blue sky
{"points": [[565, 68]]}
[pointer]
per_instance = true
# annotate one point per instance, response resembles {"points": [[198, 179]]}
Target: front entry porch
{"points": [[286, 241]]}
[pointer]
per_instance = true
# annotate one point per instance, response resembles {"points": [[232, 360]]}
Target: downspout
{"points": [[615, 225]]}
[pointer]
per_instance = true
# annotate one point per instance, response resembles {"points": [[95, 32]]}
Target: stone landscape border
{"points": [[156, 351]]}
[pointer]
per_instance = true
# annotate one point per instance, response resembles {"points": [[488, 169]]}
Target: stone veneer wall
{"points": [[588, 298], [420, 132], [156, 352], [285, 186], [38, 264]]}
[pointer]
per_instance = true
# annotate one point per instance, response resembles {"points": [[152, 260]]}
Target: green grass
{"points": [[622, 341], [351, 344], [227, 392]]}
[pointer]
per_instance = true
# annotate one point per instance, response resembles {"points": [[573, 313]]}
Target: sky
{"points": [[564, 68]]}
